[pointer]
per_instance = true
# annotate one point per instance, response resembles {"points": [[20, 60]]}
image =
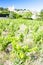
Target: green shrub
{"points": [[14, 15]]}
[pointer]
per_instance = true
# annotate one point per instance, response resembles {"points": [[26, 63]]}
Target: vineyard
{"points": [[21, 42]]}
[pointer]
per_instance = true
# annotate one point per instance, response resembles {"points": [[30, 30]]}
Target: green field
{"points": [[23, 37]]}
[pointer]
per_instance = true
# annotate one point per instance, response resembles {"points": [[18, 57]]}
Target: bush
{"points": [[27, 15], [14, 15]]}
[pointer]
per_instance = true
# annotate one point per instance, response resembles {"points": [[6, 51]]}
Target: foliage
{"points": [[4, 11], [14, 15], [27, 15], [41, 14]]}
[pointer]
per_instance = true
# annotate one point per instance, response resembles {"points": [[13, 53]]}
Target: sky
{"points": [[23, 4]]}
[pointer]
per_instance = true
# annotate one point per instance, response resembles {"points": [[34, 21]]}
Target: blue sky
{"points": [[23, 4]]}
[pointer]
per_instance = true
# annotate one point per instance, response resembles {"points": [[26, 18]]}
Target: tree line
{"points": [[11, 14]]}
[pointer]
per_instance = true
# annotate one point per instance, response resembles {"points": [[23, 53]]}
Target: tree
{"points": [[41, 14], [4, 10], [27, 15], [14, 15], [1, 8]]}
